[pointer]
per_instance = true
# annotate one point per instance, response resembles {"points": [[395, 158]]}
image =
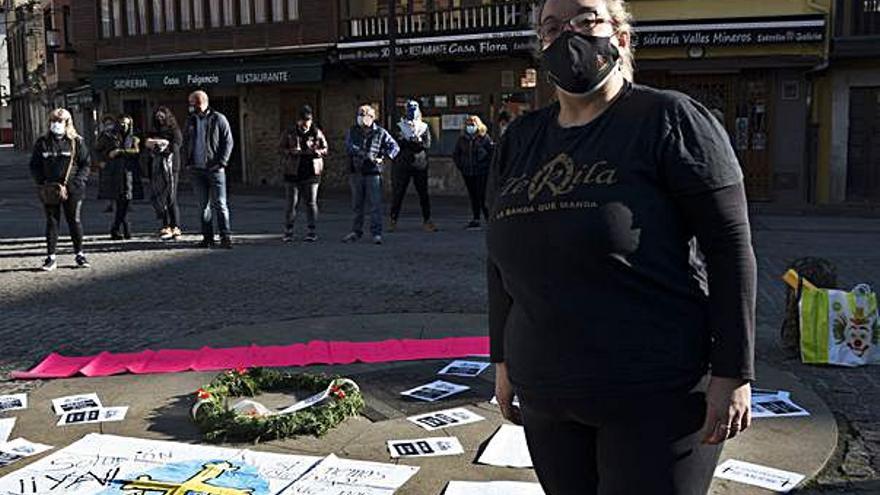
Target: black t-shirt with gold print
{"points": [[595, 283]]}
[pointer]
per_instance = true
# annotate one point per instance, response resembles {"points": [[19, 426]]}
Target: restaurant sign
{"points": [[132, 80], [731, 32], [452, 47]]}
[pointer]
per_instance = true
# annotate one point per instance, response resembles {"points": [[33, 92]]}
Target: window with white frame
{"points": [[199, 14], [185, 15], [158, 16], [229, 12], [131, 18], [260, 11], [143, 28], [106, 19], [277, 10], [170, 16], [245, 12], [292, 10], [215, 13], [117, 17]]}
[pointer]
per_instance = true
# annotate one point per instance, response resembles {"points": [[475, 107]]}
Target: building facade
{"points": [[26, 50], [753, 63], [847, 117]]}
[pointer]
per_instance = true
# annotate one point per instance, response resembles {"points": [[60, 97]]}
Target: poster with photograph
{"points": [[13, 402], [425, 447], [75, 403], [435, 391], [468, 369], [445, 419]]}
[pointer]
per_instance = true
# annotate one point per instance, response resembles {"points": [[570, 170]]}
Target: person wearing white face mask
{"points": [[414, 137], [60, 168], [472, 157], [368, 146], [624, 347]]}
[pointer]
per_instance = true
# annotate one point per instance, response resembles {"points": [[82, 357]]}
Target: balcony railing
{"points": [[857, 18], [500, 16]]}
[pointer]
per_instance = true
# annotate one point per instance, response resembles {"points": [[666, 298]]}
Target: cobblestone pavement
{"points": [[143, 292]]}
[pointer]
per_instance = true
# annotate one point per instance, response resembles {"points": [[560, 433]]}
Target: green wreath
{"points": [[247, 421]]}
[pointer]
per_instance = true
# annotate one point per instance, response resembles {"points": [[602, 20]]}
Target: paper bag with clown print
{"points": [[839, 327]]}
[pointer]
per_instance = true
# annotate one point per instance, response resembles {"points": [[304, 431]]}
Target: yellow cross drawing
{"points": [[196, 484]]}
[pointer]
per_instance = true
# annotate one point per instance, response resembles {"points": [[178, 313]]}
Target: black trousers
{"points": [[297, 193], [120, 222], [172, 213], [401, 175], [72, 209], [634, 444], [476, 188]]}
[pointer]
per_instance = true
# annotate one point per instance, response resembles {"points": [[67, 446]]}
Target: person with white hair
{"points": [[207, 148], [60, 167]]}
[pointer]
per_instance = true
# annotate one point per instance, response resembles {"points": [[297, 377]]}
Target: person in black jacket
{"points": [[472, 157], [621, 273], [414, 137], [302, 150], [207, 148], [121, 177], [61, 156], [163, 156]]}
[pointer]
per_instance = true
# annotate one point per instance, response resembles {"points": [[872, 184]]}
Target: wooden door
{"points": [[863, 155]]}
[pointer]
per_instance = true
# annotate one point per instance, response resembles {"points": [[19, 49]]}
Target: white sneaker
{"points": [[351, 237], [377, 239], [49, 265]]}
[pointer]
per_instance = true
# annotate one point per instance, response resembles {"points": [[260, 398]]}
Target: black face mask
{"points": [[580, 64]]}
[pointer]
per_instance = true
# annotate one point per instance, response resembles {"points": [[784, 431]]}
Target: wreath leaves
{"points": [[219, 423]]}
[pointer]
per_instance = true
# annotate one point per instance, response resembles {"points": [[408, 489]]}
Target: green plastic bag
{"points": [[839, 327]]}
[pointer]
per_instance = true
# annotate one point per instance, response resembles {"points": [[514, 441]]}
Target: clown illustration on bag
{"points": [[840, 327]]}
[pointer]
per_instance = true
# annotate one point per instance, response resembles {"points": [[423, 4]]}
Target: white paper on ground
{"points": [[444, 419], [97, 415], [757, 475], [763, 393], [425, 447], [98, 464], [24, 448], [494, 401], [435, 391], [777, 408], [13, 402], [507, 448], [75, 403], [6, 426], [335, 476], [464, 368], [493, 488]]}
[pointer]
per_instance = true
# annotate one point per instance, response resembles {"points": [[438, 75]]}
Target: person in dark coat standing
{"points": [[472, 157], [61, 157], [163, 155], [414, 137], [106, 134], [302, 149], [207, 148], [121, 152]]}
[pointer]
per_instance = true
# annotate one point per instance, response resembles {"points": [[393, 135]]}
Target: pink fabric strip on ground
{"points": [[210, 359]]}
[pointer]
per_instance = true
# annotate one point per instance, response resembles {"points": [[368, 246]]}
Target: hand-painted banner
{"points": [[210, 359]]}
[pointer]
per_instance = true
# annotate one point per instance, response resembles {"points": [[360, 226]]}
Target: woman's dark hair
{"points": [[170, 120]]}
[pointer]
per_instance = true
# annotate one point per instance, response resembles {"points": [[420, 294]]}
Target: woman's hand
{"points": [[728, 403], [113, 154], [504, 394]]}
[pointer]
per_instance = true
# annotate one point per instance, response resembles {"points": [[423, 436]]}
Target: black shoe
{"points": [[205, 244], [288, 236], [82, 262], [225, 243], [311, 237], [115, 236], [473, 225], [49, 265], [126, 231]]}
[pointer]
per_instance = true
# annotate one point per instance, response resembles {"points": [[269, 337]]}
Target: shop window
{"points": [[529, 79], [292, 10], [106, 20]]}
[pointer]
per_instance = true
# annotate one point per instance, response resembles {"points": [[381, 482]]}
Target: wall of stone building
{"points": [[261, 117]]}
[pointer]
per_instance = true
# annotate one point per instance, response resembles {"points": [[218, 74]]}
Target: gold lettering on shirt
{"points": [[561, 176]]}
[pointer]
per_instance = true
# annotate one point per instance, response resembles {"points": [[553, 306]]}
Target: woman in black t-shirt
{"points": [[621, 272]]}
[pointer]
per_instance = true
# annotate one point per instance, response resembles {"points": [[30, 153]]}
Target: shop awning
{"points": [[219, 74]]}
